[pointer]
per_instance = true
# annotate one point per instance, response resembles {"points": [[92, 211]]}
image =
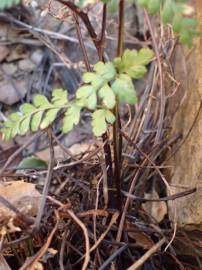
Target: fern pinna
{"points": [[108, 83]]}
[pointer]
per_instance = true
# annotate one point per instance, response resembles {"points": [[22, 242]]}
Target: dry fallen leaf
{"points": [[60, 155], [79, 149], [4, 51], [37, 266], [5, 154], [15, 55], [141, 238], [23, 196], [3, 264], [157, 210]]}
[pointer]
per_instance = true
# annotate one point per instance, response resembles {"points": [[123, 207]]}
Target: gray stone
{"points": [[4, 51], [37, 57], [26, 65], [9, 69], [12, 93]]}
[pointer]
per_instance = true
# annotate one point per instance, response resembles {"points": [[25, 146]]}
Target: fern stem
{"points": [[121, 28], [102, 36], [99, 45], [81, 42], [117, 138], [47, 181]]}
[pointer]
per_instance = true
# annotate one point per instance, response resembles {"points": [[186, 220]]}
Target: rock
{"points": [[37, 57], [60, 155], [3, 263], [9, 69], [22, 196], [4, 51], [157, 210], [26, 65], [12, 93], [15, 55], [186, 169]]}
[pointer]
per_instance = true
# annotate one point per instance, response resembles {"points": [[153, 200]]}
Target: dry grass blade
{"points": [[3, 264], [112, 222], [101, 238], [147, 255], [30, 264], [85, 231]]}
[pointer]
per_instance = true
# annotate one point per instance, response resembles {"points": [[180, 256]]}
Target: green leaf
{"points": [[106, 1], [84, 91], [174, 12], [154, 6], [83, 102], [72, 117], [137, 72], [24, 126], [95, 79], [124, 89], [34, 117], [59, 97], [89, 93], [92, 101], [119, 64], [15, 116], [32, 163], [185, 38], [129, 58], [143, 3], [49, 117], [40, 101], [14, 130], [9, 129], [36, 120], [8, 3], [133, 63], [27, 108], [6, 134], [112, 6], [144, 56], [106, 71], [168, 11], [108, 96], [177, 23], [100, 119], [189, 23], [109, 117]]}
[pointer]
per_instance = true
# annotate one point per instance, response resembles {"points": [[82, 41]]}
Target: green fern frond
{"points": [[8, 3], [108, 83], [174, 12], [38, 115]]}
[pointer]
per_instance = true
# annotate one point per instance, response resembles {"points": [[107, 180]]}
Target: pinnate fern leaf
{"points": [[174, 12], [108, 96], [123, 88], [102, 88], [100, 119], [8, 3], [72, 117], [134, 62], [38, 115], [95, 82]]}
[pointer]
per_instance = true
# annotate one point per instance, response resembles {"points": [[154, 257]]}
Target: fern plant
{"points": [[103, 89], [174, 12], [8, 3], [108, 83]]}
